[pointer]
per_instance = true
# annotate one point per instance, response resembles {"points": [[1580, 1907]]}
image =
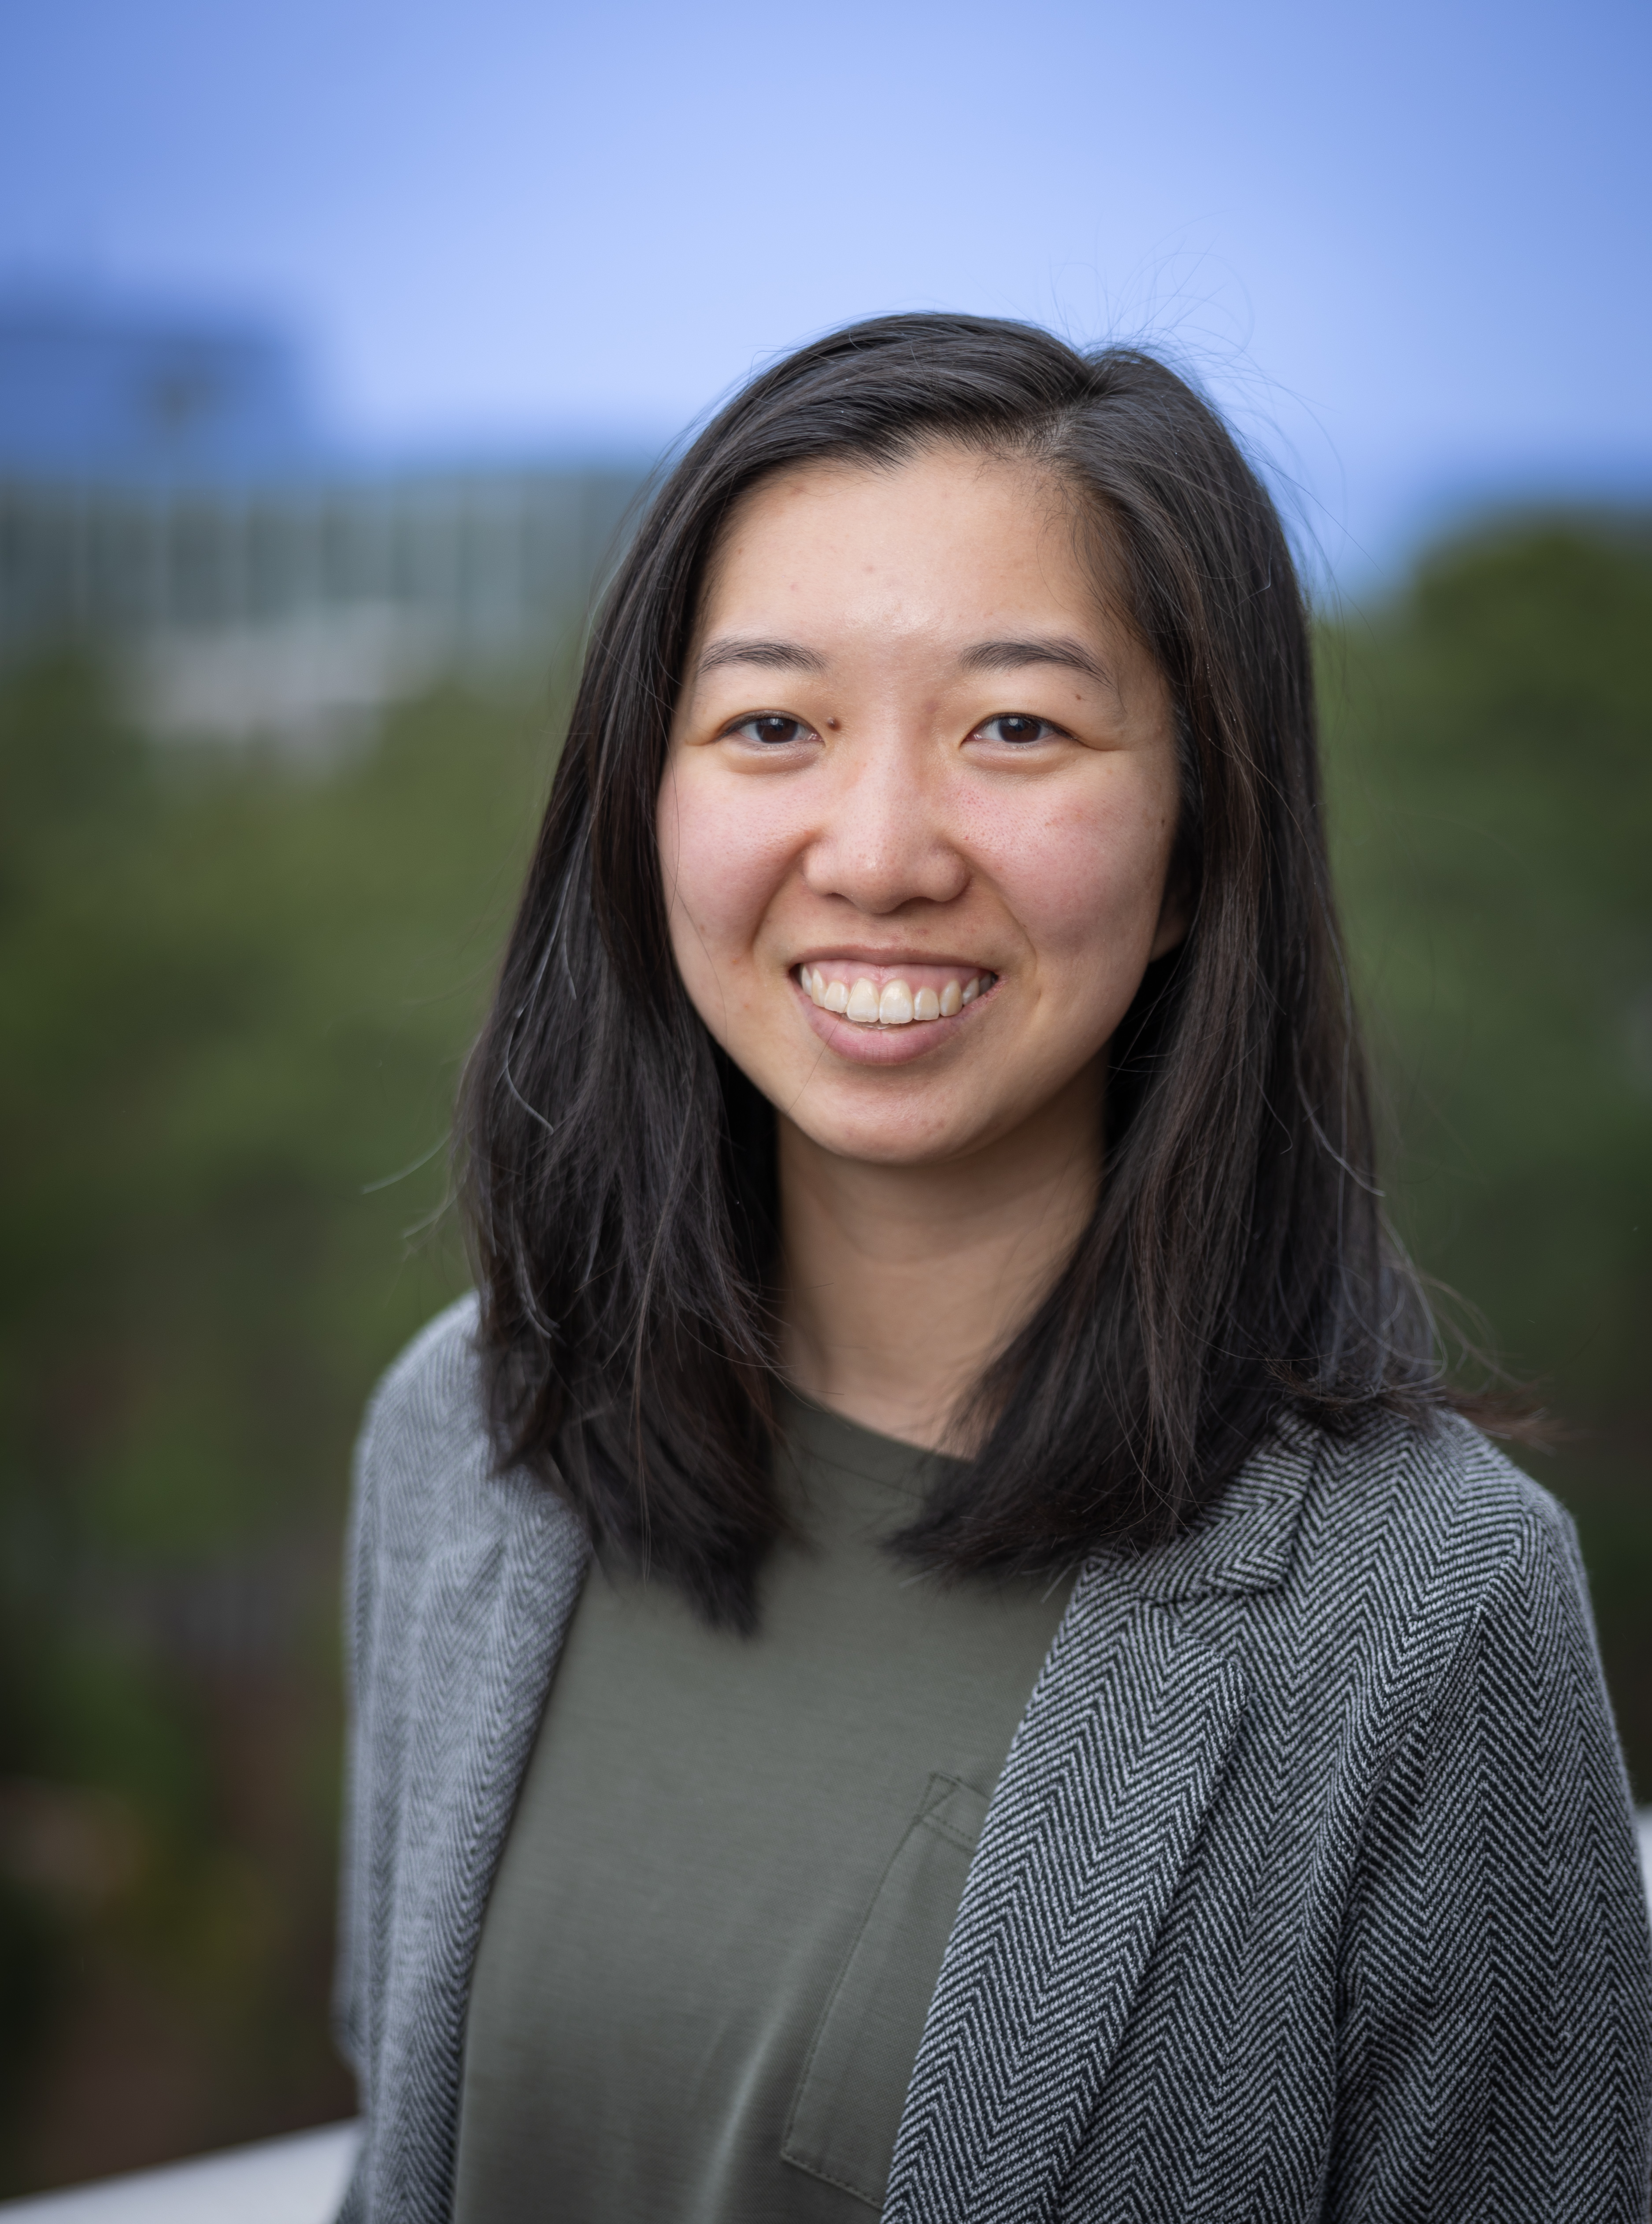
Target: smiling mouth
{"points": [[896, 1004]]}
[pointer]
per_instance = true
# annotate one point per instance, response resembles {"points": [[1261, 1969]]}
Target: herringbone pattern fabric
{"points": [[1310, 1890]]}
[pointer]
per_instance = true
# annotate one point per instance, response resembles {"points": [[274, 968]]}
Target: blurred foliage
{"points": [[235, 991], [1488, 747]]}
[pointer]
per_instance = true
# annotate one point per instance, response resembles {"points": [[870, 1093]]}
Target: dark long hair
{"points": [[620, 1170]]}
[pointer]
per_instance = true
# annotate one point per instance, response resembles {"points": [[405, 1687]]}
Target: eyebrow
{"points": [[983, 656], [1043, 648], [772, 656]]}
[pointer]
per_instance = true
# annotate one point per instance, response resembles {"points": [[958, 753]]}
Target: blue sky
{"points": [[1407, 246]]}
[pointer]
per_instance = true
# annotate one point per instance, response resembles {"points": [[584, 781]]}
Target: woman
{"points": [[931, 1642]]}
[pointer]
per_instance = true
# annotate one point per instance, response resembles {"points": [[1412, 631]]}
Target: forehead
{"points": [[947, 530]]}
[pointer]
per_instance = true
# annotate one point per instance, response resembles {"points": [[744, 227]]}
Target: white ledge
{"points": [[299, 2179]]}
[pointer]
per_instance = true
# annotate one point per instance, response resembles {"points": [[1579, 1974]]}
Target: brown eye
{"points": [[1016, 727], [774, 729]]}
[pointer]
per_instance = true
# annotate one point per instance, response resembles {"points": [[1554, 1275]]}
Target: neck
{"points": [[902, 1282]]}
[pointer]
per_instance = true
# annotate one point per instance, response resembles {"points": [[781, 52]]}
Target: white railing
{"points": [[296, 2180]]}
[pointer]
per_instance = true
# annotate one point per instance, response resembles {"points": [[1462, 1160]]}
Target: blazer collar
{"points": [[1245, 1539]]}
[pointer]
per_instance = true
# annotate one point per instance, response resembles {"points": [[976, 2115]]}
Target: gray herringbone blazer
{"points": [[1309, 1889]]}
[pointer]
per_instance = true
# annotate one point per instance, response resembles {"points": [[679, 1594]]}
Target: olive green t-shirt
{"points": [[732, 1871]]}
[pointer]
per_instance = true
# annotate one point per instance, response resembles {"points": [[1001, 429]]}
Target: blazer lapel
{"points": [[499, 1590], [1119, 1755]]}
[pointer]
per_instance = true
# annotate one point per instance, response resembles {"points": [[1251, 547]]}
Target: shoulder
{"points": [[1397, 1497], [1313, 1518], [1419, 1547], [434, 1371], [1375, 1556], [433, 1389], [437, 1520], [425, 1434]]}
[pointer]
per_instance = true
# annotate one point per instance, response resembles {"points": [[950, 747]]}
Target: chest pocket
{"points": [[848, 2101]]}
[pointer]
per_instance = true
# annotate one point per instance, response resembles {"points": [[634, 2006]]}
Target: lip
{"points": [[878, 1046], [891, 962]]}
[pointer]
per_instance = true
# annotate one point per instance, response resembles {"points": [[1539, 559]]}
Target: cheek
{"points": [[1084, 871], [722, 857]]}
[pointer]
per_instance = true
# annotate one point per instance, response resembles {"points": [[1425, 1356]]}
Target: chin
{"points": [[885, 1142]]}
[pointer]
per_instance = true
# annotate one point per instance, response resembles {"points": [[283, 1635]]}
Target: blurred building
{"points": [[168, 491]]}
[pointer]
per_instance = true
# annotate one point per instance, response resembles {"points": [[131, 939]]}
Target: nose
{"points": [[884, 840]]}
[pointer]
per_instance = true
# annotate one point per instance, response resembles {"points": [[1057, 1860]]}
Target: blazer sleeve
{"points": [[360, 1589], [1495, 2049]]}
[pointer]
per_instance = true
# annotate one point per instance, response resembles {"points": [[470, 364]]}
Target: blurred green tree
{"points": [[1490, 761], [235, 993]]}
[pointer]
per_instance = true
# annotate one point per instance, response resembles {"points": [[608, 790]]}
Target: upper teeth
{"points": [[896, 1004]]}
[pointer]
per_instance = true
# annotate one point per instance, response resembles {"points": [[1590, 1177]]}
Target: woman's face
{"points": [[918, 809]]}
